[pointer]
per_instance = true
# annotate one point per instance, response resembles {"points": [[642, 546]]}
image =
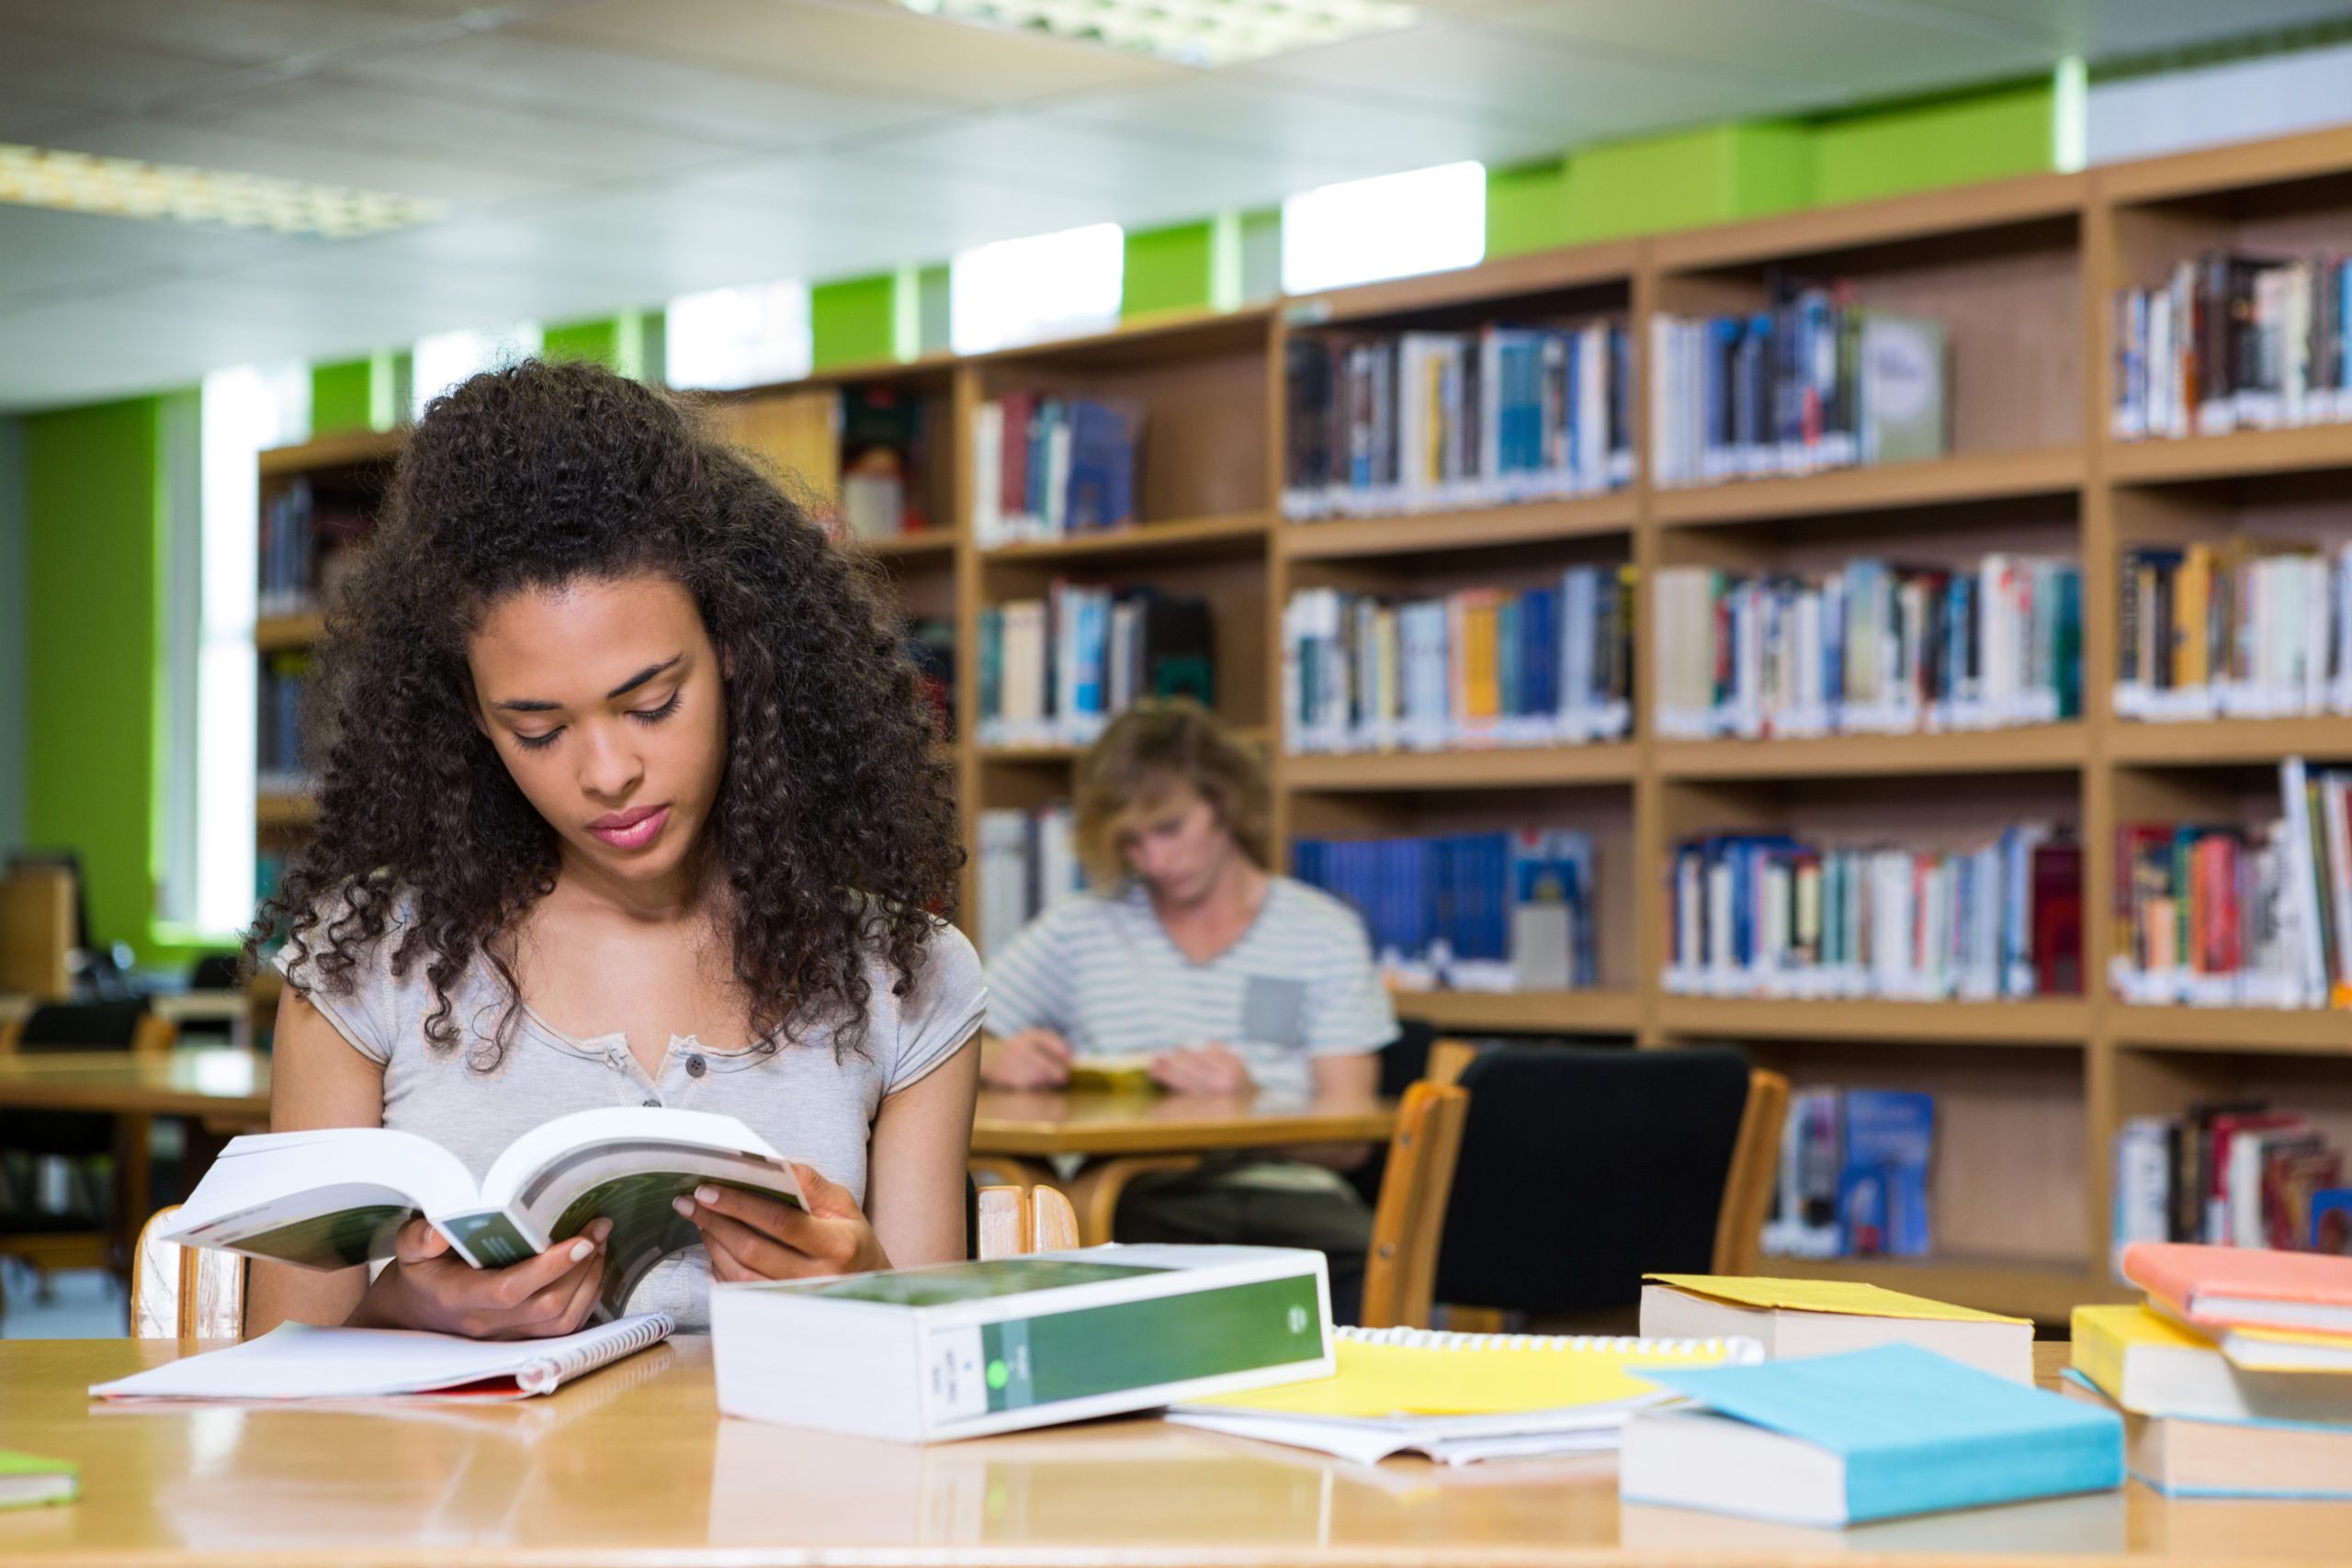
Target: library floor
{"points": [[83, 1303]]}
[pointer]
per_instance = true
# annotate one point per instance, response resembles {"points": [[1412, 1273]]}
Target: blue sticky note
{"points": [[1918, 1431]]}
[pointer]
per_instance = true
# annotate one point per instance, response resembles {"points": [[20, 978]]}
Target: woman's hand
{"points": [[1212, 1069], [429, 1286], [753, 1237]]}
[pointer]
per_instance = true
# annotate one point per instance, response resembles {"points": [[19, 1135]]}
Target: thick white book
{"points": [[300, 1360], [333, 1198], [1793, 1318], [963, 1349]]}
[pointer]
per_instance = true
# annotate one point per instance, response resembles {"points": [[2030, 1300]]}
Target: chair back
{"points": [[1018, 1220], [39, 918], [1408, 1220], [1583, 1169]]}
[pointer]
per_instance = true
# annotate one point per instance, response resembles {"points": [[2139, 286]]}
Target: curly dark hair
{"points": [[834, 827]]}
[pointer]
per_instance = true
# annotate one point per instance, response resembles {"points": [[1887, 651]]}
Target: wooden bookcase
{"points": [[2030, 1094]]}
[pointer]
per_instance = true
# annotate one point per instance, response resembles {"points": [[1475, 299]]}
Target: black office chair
{"points": [[1403, 1061], [109, 1195], [1583, 1169]]}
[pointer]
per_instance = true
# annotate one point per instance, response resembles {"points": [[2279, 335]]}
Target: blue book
{"points": [[1101, 464], [1832, 1440], [1882, 1190]]}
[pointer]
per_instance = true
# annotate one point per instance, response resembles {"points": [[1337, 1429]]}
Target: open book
{"points": [[333, 1198]]}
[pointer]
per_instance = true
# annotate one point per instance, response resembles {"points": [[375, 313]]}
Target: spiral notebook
{"points": [[299, 1362], [1461, 1397]]}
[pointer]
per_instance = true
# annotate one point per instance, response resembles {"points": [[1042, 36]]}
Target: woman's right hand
{"points": [[1034, 1058], [429, 1286]]}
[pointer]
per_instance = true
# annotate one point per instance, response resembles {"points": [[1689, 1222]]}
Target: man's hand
{"points": [[1034, 1058], [1212, 1069]]}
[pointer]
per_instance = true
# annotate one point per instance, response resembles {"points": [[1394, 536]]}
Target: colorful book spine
{"points": [[2229, 342], [1049, 466], [1499, 911], [2245, 629], [1054, 671], [1027, 859]]}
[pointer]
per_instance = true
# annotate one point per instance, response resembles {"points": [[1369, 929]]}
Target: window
{"points": [[444, 359], [1391, 226], [739, 337], [1050, 286]]}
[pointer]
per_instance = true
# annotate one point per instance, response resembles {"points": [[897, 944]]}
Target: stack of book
{"points": [[1511, 912], [2246, 629], [1427, 420], [1028, 859], [2232, 1174], [1044, 468], [1811, 382], [1869, 649], [2232, 342], [282, 768], [2229, 1379], [1479, 667], [1853, 1178], [1054, 670], [1766, 915], [2227, 915]]}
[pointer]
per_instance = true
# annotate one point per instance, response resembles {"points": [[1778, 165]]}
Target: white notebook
{"points": [[296, 1360]]}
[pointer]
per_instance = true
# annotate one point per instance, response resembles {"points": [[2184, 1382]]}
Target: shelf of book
{"points": [[2258, 1031], [1240, 533], [1598, 1011], [2228, 742], [1501, 767], [2065, 1021], [2244, 455], [2043, 747], [2047, 1292], [273, 634], [1942, 481], [1431, 533], [353, 449]]}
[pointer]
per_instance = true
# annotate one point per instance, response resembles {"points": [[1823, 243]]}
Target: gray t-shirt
{"points": [[810, 1106], [1098, 969]]}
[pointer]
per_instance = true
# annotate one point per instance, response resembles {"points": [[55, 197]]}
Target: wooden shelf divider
{"points": [[2064, 1020], [1530, 522], [2028, 749]]}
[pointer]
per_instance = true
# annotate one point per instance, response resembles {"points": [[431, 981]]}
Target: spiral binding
{"points": [[1736, 1350]]}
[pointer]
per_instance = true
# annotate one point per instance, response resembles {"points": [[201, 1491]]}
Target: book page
{"points": [[325, 1199]]}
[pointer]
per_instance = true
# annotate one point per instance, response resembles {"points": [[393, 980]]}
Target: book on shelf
{"points": [[303, 560], [1825, 1317], [2149, 1364], [1046, 468], [335, 1198], [1479, 667], [1872, 648], [1492, 912], [302, 1362], [2243, 630], [2229, 342], [1027, 859], [282, 766], [963, 1349], [1769, 915], [1054, 671], [1407, 422], [1834, 1440], [2227, 1175], [1853, 1175], [2225, 914], [1811, 382], [884, 436]]}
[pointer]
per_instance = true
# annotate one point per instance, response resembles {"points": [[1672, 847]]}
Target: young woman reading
{"points": [[631, 799]]}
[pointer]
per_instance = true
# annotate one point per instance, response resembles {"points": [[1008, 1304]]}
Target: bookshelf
{"points": [[2021, 272]]}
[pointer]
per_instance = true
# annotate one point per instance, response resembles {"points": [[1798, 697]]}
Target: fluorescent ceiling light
{"points": [[1190, 32], [125, 187]]}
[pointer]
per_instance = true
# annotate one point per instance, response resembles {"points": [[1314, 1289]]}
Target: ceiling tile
{"points": [[218, 139], [57, 254], [228, 33]]}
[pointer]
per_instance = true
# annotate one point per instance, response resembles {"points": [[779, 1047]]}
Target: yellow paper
{"points": [[1825, 1296], [1407, 1379]]}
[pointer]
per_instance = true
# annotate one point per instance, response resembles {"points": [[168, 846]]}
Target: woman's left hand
{"points": [[753, 1237]]}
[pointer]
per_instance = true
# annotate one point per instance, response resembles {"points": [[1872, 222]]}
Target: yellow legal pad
{"points": [[1417, 1380], [1824, 1295]]}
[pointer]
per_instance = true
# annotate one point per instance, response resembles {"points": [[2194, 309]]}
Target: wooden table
{"points": [[634, 1466], [1125, 1135], [222, 1085]]}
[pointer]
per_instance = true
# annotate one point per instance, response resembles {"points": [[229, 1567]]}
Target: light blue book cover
{"points": [[1918, 1431]]}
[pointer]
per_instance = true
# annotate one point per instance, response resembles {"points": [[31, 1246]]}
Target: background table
{"points": [[634, 1466]]}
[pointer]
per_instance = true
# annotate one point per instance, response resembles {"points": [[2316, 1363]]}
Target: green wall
{"points": [[94, 516], [342, 396], [13, 684], [1950, 140], [856, 320]]}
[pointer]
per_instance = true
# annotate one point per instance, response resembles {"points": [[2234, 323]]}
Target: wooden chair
{"points": [[100, 1235], [1675, 1117], [1408, 1221], [188, 1293]]}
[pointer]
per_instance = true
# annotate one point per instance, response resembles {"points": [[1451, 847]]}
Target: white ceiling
{"points": [[599, 155]]}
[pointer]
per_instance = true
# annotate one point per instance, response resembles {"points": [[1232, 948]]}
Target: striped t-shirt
{"points": [[1097, 969]]}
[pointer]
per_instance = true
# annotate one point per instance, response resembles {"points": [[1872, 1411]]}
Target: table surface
{"points": [[633, 1466], [231, 1083]]}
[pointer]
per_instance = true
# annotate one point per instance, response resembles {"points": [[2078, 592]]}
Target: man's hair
{"points": [[1152, 748]]}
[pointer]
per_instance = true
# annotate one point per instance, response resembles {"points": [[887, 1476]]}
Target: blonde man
{"points": [[1229, 977]]}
